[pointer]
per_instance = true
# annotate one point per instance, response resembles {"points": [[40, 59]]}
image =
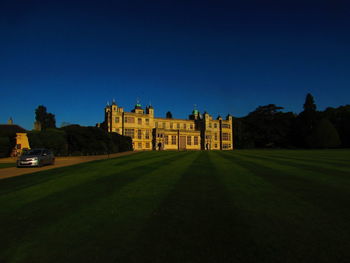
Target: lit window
{"points": [[147, 134], [139, 134], [173, 140], [166, 139], [189, 141], [129, 119], [129, 132], [195, 140], [139, 121], [226, 137]]}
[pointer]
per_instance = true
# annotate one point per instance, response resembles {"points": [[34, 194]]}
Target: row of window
{"points": [[132, 120], [139, 145], [171, 125], [131, 133], [147, 134], [173, 140]]}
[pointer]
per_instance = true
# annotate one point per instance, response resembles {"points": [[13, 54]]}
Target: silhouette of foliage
{"points": [[47, 120]]}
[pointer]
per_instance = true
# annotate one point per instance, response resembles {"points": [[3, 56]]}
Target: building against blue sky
{"points": [[224, 56]]}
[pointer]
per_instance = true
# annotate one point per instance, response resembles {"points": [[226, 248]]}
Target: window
{"points": [[116, 119], [164, 125], [226, 137], [215, 136], [191, 126], [171, 125], [129, 119], [215, 125], [173, 140], [166, 139], [225, 125], [139, 145], [178, 125], [147, 144], [209, 125], [147, 121], [139, 134], [129, 132], [226, 146], [189, 141], [185, 126], [195, 140], [147, 134], [139, 121], [216, 145]]}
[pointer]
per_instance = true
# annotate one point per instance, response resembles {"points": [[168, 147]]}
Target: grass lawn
{"points": [[239, 206], [7, 165]]}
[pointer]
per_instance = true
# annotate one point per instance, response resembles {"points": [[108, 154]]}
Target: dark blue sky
{"points": [[224, 56]]}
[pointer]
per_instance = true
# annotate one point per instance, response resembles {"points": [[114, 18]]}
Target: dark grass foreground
{"points": [[241, 206]]}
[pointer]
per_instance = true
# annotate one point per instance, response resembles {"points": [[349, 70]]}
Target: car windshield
{"points": [[33, 152]]}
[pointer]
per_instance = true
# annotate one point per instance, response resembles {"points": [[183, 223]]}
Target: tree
{"points": [[169, 115], [323, 136], [46, 120], [309, 104], [340, 118], [306, 122], [267, 126]]}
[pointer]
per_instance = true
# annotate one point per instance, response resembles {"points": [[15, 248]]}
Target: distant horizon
{"points": [[59, 124]]}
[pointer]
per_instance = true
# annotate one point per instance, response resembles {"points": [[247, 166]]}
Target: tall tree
{"points": [[46, 120], [306, 122], [309, 104]]}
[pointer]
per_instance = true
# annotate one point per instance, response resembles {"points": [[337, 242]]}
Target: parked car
{"points": [[36, 157]]}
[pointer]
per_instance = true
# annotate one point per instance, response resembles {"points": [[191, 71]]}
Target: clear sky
{"points": [[224, 56]]}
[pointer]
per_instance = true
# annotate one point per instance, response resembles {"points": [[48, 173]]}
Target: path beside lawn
{"points": [[59, 162]]}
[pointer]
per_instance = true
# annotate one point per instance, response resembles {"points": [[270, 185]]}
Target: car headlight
{"points": [[35, 158]]}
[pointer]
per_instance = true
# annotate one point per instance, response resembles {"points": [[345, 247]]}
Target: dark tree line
{"points": [[78, 140], [269, 127]]}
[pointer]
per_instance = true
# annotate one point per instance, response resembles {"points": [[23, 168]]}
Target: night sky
{"points": [[224, 56]]}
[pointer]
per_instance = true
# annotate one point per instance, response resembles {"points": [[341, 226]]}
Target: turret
{"points": [[150, 110]]}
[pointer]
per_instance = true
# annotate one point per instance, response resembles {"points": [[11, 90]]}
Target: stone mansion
{"points": [[199, 132]]}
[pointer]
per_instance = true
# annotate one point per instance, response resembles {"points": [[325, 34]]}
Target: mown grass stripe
{"points": [[324, 168], [71, 177], [309, 158], [310, 220], [323, 174], [192, 223], [113, 202]]}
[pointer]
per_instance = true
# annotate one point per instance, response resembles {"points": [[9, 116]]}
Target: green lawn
{"points": [[7, 165], [239, 206]]}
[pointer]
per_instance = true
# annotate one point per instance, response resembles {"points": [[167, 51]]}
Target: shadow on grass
{"points": [[24, 221], [195, 223]]}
